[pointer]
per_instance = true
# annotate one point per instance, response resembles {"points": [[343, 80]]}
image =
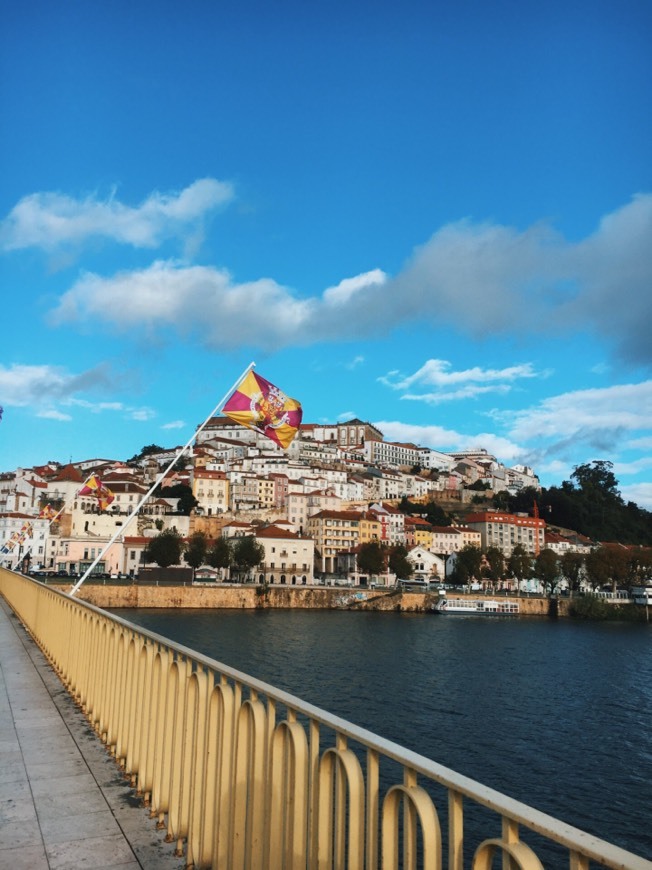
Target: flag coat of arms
{"points": [[258, 404], [96, 488], [48, 513]]}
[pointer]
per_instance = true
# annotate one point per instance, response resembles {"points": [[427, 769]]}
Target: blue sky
{"points": [[436, 217]]}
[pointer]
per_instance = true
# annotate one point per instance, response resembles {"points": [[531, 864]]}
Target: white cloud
{"points": [[52, 391], [439, 438], [483, 279], [633, 467], [625, 407], [54, 415], [53, 220], [344, 292], [640, 493], [439, 373], [471, 391], [24, 385], [196, 299], [469, 383], [142, 415], [174, 424], [644, 443]]}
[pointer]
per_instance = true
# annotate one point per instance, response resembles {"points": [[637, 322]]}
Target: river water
{"points": [[557, 714]]}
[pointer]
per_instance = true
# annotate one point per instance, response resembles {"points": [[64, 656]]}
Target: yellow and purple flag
{"points": [[259, 405], [49, 513], [17, 538], [96, 488]]}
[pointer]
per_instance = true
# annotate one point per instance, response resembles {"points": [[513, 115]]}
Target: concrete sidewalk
{"points": [[63, 801]]}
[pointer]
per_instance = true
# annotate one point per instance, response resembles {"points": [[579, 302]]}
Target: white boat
{"points": [[477, 607]]}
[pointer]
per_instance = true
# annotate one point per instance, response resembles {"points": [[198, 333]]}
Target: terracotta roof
{"points": [[68, 473], [275, 532]]}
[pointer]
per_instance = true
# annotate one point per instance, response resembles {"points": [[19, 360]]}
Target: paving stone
{"points": [[64, 802]]}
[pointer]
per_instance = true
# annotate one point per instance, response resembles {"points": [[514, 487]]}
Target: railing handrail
{"points": [[570, 837]]}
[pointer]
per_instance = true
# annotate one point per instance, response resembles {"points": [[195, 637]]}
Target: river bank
{"points": [[238, 597]]}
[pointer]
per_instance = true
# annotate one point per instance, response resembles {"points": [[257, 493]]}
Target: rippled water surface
{"points": [[555, 713]]}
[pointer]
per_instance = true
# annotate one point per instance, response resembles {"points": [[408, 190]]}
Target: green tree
{"points": [[640, 567], [519, 565], [247, 554], [164, 549], [398, 562], [195, 552], [436, 515], [371, 558], [181, 491], [494, 569], [187, 503], [220, 554], [597, 479], [618, 565], [597, 569], [467, 565], [547, 570], [150, 450], [572, 568]]}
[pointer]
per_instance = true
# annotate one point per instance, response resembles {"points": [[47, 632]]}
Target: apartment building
{"points": [[505, 531], [212, 491], [333, 531]]}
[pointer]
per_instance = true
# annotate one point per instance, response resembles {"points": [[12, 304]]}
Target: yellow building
{"points": [[332, 532], [370, 528]]}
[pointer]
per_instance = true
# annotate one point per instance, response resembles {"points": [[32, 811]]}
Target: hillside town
{"points": [[310, 508]]}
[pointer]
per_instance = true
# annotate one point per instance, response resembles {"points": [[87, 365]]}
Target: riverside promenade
{"points": [[64, 803]]}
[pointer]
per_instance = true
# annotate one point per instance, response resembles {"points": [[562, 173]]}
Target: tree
{"points": [[247, 554], [467, 565], [572, 568], [181, 491], [398, 563], [220, 554], [547, 570], [597, 478], [597, 570], [195, 553], [494, 569], [618, 565], [187, 502], [519, 564], [371, 558], [164, 549], [150, 450], [436, 515], [479, 486]]}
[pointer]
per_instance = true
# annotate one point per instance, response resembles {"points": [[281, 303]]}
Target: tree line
{"points": [[239, 556], [602, 567]]}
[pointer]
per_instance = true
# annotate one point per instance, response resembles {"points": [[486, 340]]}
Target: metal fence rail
{"points": [[241, 775]]}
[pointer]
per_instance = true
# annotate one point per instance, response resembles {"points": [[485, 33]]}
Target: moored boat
{"points": [[476, 607]]}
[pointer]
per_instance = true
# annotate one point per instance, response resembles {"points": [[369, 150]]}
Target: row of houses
{"points": [[338, 486]]}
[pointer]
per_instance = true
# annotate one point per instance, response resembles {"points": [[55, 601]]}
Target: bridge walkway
{"points": [[64, 803]]}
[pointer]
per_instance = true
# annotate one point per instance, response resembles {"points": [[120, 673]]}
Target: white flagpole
{"points": [[158, 480]]}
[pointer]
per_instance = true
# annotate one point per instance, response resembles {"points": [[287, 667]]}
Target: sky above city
{"points": [[435, 217]]}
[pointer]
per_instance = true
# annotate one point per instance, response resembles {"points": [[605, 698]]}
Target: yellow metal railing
{"points": [[242, 775]]}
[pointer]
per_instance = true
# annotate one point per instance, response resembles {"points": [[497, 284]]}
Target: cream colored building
{"points": [[333, 531], [211, 489], [289, 558]]}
